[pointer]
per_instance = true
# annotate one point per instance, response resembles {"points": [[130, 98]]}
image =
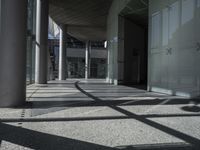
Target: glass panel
{"points": [[198, 3], [187, 11], [155, 37], [30, 64], [173, 19], [165, 26]]}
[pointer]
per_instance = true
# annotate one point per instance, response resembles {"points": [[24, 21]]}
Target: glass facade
{"points": [[98, 68], [30, 65], [76, 65]]}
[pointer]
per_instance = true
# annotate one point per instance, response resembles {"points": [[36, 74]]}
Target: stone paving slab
{"points": [[105, 117]]}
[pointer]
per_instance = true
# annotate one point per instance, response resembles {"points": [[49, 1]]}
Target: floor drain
{"points": [[22, 116]]}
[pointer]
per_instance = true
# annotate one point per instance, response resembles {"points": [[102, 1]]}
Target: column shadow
{"points": [[187, 138], [43, 141]]}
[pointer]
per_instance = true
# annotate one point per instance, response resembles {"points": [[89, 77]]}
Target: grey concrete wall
{"points": [[119, 29], [112, 38], [174, 47]]}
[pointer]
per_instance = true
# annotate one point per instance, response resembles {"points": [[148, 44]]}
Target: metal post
{"points": [[62, 53], [87, 57]]}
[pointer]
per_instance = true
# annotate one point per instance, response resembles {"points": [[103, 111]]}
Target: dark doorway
{"points": [[135, 54], [133, 33]]}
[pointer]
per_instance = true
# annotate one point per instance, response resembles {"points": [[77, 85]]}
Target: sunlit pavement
{"points": [[92, 114]]}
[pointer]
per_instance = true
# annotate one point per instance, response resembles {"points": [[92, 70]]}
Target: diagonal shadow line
{"points": [[175, 133], [113, 92], [192, 140], [84, 103], [169, 115], [160, 146], [12, 120], [43, 141]]}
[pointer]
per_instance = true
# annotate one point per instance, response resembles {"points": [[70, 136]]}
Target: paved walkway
{"points": [[93, 115]]}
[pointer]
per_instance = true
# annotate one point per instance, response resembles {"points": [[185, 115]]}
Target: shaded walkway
{"points": [[96, 115]]}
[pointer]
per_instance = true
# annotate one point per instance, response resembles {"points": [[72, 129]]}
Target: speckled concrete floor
{"points": [[93, 115]]}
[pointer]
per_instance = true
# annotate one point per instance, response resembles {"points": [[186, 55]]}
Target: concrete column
{"points": [[13, 52], [87, 60], [62, 53], [41, 41]]}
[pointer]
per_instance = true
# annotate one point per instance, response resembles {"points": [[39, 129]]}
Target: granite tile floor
{"points": [[94, 115]]}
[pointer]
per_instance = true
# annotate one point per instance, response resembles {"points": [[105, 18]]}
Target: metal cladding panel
{"points": [[178, 71]]}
